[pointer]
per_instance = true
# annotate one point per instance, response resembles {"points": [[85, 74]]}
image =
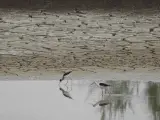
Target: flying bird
{"points": [[64, 75], [65, 93]]}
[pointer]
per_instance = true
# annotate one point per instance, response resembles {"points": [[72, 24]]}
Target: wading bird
{"points": [[101, 103], [101, 85], [64, 75], [65, 93]]}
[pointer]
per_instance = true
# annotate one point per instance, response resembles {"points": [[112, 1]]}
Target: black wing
{"points": [[67, 73]]}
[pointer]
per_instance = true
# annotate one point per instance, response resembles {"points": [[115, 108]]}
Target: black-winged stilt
{"points": [[65, 93], [65, 74], [101, 103], [101, 85]]}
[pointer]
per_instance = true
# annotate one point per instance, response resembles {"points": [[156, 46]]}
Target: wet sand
{"points": [[60, 40]]}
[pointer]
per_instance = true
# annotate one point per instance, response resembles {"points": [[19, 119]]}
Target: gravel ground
{"points": [[68, 39]]}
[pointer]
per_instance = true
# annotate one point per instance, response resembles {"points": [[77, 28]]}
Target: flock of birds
{"points": [[100, 85]]}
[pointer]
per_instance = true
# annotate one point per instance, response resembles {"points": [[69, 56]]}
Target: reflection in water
{"points": [[153, 89], [101, 103], [41, 100], [118, 98], [66, 93]]}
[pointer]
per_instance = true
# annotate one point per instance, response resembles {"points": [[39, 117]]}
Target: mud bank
{"points": [[34, 40]]}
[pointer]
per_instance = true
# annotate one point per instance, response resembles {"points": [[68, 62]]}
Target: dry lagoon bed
{"points": [[46, 41]]}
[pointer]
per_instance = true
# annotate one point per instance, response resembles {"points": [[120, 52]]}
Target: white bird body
{"points": [[101, 85]]}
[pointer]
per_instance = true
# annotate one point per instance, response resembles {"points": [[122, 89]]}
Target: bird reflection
{"points": [[101, 103], [65, 93]]}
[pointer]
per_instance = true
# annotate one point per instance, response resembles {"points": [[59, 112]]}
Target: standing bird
{"points": [[65, 93], [104, 85], [64, 75], [101, 103], [101, 85]]}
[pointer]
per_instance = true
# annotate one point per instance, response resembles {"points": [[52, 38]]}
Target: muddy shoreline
{"points": [[33, 40]]}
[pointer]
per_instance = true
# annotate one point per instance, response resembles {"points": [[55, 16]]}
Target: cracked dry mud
{"points": [[53, 40]]}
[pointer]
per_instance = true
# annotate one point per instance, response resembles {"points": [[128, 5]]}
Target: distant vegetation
{"points": [[80, 3]]}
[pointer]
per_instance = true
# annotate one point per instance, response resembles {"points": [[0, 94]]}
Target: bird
{"points": [[101, 85], [65, 74], [65, 93], [101, 103]]}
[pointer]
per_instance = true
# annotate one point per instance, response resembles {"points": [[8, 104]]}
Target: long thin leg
{"points": [[66, 82], [102, 93]]}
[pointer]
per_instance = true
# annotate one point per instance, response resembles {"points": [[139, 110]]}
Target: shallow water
{"points": [[39, 100]]}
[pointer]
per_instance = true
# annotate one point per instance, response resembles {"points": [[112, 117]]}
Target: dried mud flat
{"points": [[34, 40]]}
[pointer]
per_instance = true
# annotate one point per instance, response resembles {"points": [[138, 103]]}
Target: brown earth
{"points": [[55, 40]]}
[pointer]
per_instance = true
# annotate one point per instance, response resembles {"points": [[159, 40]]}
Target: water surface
{"points": [[39, 100]]}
